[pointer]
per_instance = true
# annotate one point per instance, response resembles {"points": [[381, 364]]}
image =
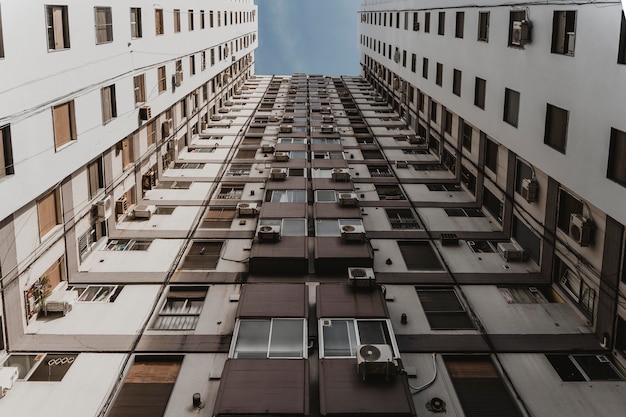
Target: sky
{"points": [[310, 36]]}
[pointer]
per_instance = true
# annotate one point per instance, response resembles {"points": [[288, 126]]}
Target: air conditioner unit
{"points": [[144, 211], [530, 189], [178, 78], [105, 207], [267, 148], [121, 205], [340, 174], [223, 110], [402, 164], [145, 113], [278, 173], [229, 103], [361, 277], [327, 128], [217, 117], [281, 156], [581, 229], [234, 58], [328, 118], [288, 119], [148, 180], [286, 128], [269, 233], [375, 361], [348, 199], [274, 119], [571, 40], [247, 209], [325, 110], [353, 233], [510, 251], [520, 35], [167, 127], [8, 376], [203, 125], [396, 56]]}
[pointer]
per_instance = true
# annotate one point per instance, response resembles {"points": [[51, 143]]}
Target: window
{"points": [[527, 239], [140, 89], [95, 175], [125, 245], [427, 22], [564, 32], [456, 83], [176, 20], [425, 68], [340, 337], [41, 367], [467, 136], [555, 134], [480, 88], [109, 106], [179, 72], [49, 212], [190, 20], [230, 192], [1, 54], [483, 26], [419, 255], [286, 196], [402, 219], [211, 18], [433, 111], [621, 54], [389, 192], [97, 293], [493, 205], [192, 65], [570, 280], [568, 205], [181, 309], [269, 338], [203, 255], [162, 79], [511, 107], [158, 22], [467, 372], [212, 56], [460, 22], [491, 155], [413, 62], [203, 63], [126, 146], [620, 334], [617, 157], [447, 124], [522, 171], [518, 28], [104, 25], [174, 185], [439, 77], [441, 28], [135, 22], [416, 23], [58, 28], [288, 227], [6, 152], [239, 170], [64, 123], [584, 367], [404, 58], [526, 295], [443, 309], [219, 217]]}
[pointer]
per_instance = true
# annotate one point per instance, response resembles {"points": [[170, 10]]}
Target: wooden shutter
{"points": [[54, 273], [419, 255], [47, 213], [479, 387], [63, 119], [246, 154], [219, 217], [158, 21], [147, 388], [58, 27], [127, 152], [3, 162], [93, 172], [151, 132], [203, 255]]}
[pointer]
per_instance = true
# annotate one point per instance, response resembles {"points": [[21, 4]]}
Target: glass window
{"points": [[97, 293], [340, 337], [572, 368], [286, 196], [325, 196], [181, 309], [443, 309], [332, 227], [269, 338]]}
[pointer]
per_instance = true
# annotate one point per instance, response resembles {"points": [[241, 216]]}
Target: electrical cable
{"points": [[429, 383]]}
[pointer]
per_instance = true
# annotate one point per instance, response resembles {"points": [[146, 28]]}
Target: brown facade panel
{"points": [[344, 393], [273, 300], [341, 300], [328, 184], [287, 256], [335, 211], [334, 255], [251, 387], [290, 183], [283, 210], [329, 163]]}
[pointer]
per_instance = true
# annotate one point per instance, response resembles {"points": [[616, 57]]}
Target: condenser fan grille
{"points": [[370, 353]]}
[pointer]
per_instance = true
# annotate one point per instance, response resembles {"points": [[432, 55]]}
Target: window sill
{"points": [[65, 145]]}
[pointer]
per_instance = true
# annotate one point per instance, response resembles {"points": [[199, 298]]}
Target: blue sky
{"points": [[311, 36]]}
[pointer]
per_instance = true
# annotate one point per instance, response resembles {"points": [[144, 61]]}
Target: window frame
{"points": [[184, 315], [61, 137], [52, 30], [480, 92], [233, 354], [511, 107], [461, 312], [561, 32], [45, 229], [323, 322], [6, 152], [483, 26], [617, 157], [555, 133], [103, 28], [136, 26], [159, 24], [109, 103], [139, 88]]}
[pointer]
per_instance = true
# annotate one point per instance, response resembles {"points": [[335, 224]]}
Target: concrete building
{"points": [[181, 237]]}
